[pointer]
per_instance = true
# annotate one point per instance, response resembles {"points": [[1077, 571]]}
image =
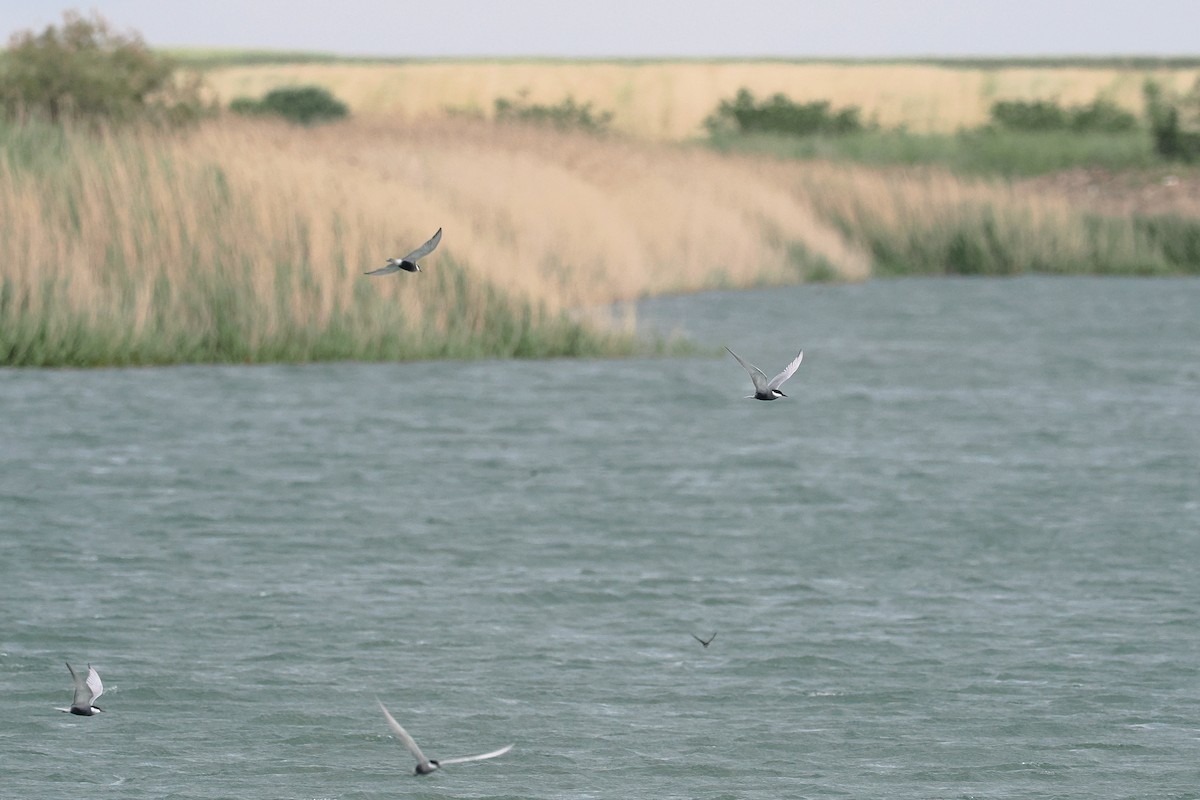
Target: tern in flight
{"points": [[701, 641], [409, 262], [764, 389], [86, 692], [428, 765]]}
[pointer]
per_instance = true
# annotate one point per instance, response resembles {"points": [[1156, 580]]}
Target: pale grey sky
{"points": [[632, 28]]}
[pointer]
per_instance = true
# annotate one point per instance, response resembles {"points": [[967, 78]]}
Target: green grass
{"points": [[984, 152]]}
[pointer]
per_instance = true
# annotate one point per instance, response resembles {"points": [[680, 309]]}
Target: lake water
{"points": [[962, 560]]}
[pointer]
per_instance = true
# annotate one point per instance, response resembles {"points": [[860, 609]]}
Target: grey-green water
{"points": [[962, 560]]}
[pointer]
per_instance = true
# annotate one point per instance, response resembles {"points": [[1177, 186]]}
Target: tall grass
{"points": [[246, 240], [669, 100]]}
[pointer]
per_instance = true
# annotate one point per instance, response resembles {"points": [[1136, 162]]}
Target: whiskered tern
{"points": [[428, 765], [764, 389], [86, 691], [409, 262]]}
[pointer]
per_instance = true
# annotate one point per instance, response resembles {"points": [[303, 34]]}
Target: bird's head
{"points": [[777, 393]]}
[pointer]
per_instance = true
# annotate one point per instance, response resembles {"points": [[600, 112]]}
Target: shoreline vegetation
{"points": [[243, 239]]}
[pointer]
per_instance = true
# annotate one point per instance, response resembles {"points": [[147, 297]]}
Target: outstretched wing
{"points": [[403, 736], [82, 692], [93, 684], [492, 754], [756, 374], [388, 270], [426, 248], [788, 372]]}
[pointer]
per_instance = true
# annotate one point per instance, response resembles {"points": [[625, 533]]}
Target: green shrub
{"points": [[778, 114], [1171, 139], [1021, 115], [84, 71], [1103, 116], [566, 115], [304, 105], [245, 105]]}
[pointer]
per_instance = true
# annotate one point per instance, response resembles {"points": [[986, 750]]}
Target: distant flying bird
{"points": [[86, 692], [409, 262], [428, 765], [764, 389], [701, 641]]}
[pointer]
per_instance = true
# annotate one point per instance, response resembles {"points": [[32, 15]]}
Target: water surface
{"points": [[959, 561]]}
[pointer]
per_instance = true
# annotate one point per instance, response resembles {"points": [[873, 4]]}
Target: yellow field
{"points": [[669, 100]]}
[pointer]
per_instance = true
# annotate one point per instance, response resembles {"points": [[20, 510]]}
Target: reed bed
{"points": [[928, 221], [246, 240], [669, 100]]}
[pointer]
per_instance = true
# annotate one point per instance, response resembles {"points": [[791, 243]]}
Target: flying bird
{"points": [[428, 765], [701, 641], [764, 389], [86, 692], [409, 262]]}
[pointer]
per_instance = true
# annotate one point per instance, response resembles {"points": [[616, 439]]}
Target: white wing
{"points": [[492, 754], [404, 737], [424, 249], [756, 374], [94, 684], [788, 372], [388, 270], [83, 695]]}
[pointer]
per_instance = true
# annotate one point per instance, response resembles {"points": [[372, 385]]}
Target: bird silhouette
{"points": [[409, 262]]}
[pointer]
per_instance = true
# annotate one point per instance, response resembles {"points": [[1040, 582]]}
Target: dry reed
{"points": [[246, 240]]}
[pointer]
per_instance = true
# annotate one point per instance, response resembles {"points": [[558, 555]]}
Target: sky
{"points": [[650, 28]]}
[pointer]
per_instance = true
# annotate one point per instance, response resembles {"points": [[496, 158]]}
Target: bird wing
{"points": [[388, 270], [756, 374], [788, 372], [93, 684], [426, 248], [404, 737], [461, 759], [83, 695]]}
